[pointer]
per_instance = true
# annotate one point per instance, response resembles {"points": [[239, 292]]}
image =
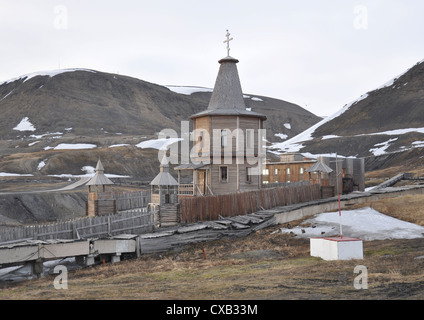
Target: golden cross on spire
{"points": [[228, 42]]}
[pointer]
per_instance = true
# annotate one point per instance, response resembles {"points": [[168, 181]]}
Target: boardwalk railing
{"points": [[132, 221], [208, 208]]}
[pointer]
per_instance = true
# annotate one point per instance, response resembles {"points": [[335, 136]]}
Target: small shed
{"points": [[100, 196], [164, 187]]}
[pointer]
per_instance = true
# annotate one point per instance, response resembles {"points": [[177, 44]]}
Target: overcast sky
{"points": [[319, 54]]}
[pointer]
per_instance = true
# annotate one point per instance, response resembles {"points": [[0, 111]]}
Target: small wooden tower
{"points": [[100, 197], [320, 173], [164, 187]]}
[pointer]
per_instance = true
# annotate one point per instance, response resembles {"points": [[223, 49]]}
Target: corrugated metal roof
{"points": [[319, 167]]}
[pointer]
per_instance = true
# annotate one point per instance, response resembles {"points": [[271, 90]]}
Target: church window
{"points": [[223, 174]]}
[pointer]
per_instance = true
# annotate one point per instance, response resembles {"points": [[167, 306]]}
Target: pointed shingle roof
{"points": [[99, 178], [320, 167], [164, 178], [227, 96]]}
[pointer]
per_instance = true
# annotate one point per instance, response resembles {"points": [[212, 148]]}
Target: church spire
{"points": [[227, 96]]}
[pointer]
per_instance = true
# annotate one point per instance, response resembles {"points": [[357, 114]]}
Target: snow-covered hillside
{"points": [[386, 120]]}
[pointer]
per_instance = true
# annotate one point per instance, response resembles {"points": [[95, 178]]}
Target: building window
{"points": [[201, 140], [265, 172], [223, 138], [249, 139], [249, 175], [301, 171], [288, 171], [223, 174], [276, 171]]}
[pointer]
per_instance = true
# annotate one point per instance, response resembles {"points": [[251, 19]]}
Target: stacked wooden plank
{"points": [[168, 215]]}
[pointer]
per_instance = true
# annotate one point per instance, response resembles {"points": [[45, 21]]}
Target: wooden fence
{"points": [[209, 208], [132, 222], [131, 200]]}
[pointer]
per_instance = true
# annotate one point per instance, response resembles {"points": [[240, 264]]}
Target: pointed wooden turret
{"points": [[99, 178], [100, 201], [164, 186]]}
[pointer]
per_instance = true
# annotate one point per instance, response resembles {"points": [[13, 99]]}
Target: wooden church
{"points": [[228, 139]]}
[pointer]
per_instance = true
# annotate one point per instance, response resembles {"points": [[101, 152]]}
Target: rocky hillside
{"points": [[386, 120], [59, 122]]}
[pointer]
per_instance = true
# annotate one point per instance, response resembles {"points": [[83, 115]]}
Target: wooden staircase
{"points": [[168, 215]]}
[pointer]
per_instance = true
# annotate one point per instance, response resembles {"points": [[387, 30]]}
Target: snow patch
{"points": [[381, 147], [282, 136], [89, 169], [331, 136], [159, 144], [41, 165], [25, 125], [287, 126], [418, 144], [295, 144], [119, 145], [395, 132], [40, 136], [33, 143], [5, 174], [75, 146], [50, 73], [187, 90], [63, 146], [256, 99], [366, 224]]}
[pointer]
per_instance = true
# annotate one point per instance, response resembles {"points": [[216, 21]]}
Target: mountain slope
{"points": [[47, 114], [388, 119]]}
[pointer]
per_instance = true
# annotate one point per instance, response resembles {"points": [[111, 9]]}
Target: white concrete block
{"points": [[116, 258], [336, 248]]}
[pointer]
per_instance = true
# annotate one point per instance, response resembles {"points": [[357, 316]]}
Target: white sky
{"points": [[319, 54]]}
